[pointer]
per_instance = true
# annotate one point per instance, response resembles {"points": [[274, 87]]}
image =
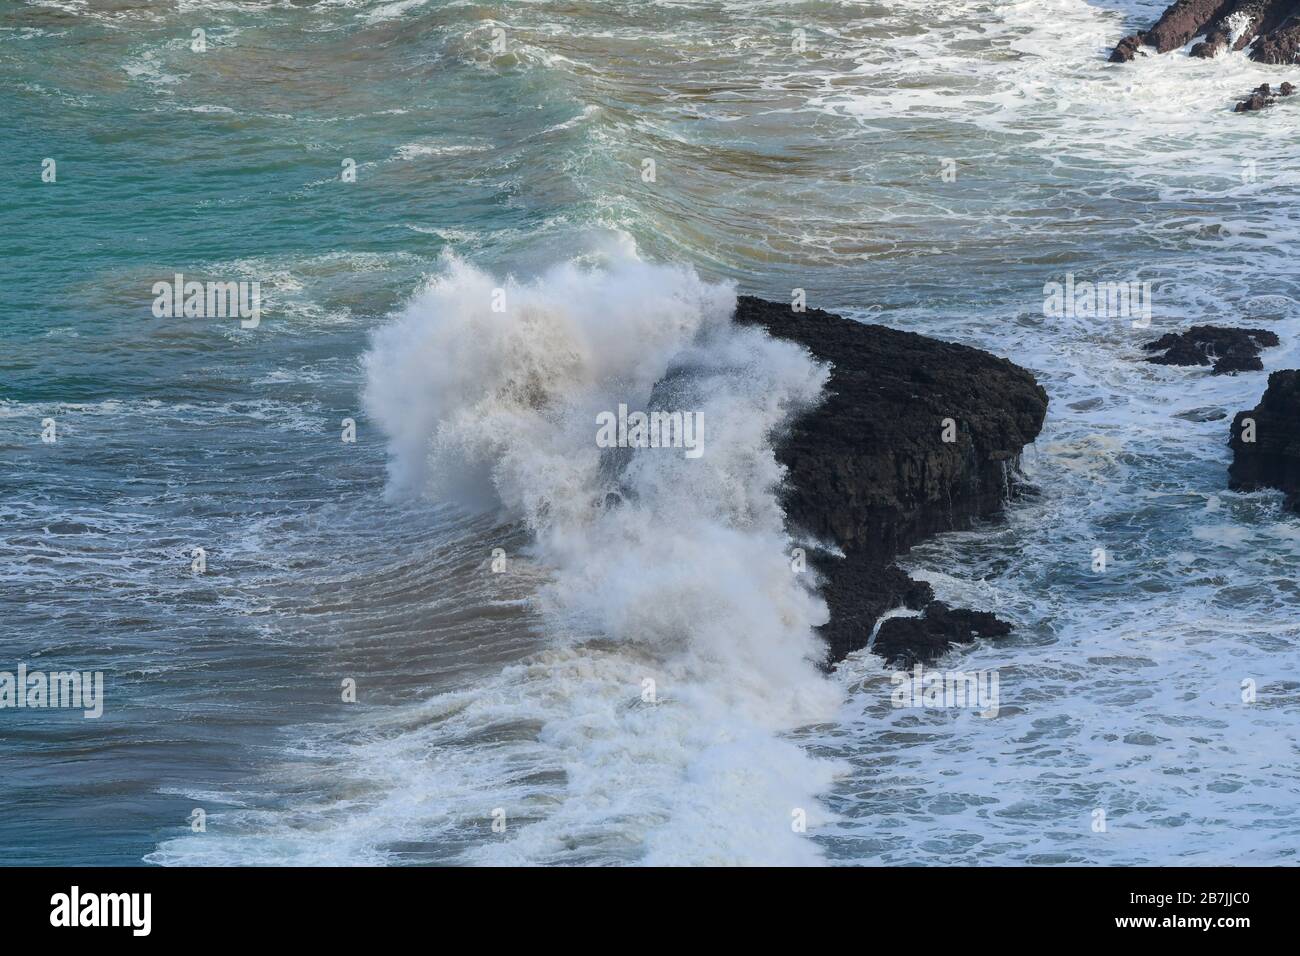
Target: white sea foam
{"points": [[1120, 691], [688, 578], [410, 151]]}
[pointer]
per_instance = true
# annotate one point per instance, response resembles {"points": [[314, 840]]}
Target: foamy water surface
{"points": [[522, 692]]}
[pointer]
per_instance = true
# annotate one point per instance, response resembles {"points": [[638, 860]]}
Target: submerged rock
{"points": [[1265, 441], [1227, 350], [1206, 413], [915, 436], [1261, 97], [1257, 100]]}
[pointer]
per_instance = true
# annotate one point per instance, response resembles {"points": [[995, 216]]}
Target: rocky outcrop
{"points": [[916, 436], [1227, 350], [1261, 97], [1265, 441], [1272, 26], [1280, 46], [859, 590], [905, 641]]}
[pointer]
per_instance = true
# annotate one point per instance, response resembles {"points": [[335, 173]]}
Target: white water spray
{"points": [[680, 564]]}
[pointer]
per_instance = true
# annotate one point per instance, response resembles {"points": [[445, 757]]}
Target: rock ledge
{"points": [[870, 470]]}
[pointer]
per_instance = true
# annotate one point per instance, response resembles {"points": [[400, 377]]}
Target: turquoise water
{"points": [[775, 168]]}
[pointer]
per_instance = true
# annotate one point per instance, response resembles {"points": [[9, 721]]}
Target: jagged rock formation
{"points": [[1227, 350], [1265, 441], [905, 641], [1272, 26], [870, 470]]}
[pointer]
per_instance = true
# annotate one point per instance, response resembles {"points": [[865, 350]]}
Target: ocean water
{"points": [[795, 145]]}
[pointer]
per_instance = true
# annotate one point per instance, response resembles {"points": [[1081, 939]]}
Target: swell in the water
{"points": [[658, 566]]}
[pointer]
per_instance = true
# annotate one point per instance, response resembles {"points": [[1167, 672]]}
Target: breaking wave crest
{"points": [[669, 569]]}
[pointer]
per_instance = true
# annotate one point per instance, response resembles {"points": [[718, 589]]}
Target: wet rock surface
{"points": [[904, 641], [1270, 28], [870, 470], [1225, 350], [1261, 97], [1265, 441]]}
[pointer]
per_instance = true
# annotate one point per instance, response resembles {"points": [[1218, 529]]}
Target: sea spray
{"points": [[660, 567]]}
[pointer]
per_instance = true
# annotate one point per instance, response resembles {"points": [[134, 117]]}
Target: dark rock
{"points": [[1280, 46], [1208, 48], [1181, 21], [1127, 48], [1258, 99], [1270, 25], [1272, 460], [858, 591], [1228, 350], [904, 641], [1287, 89], [869, 471], [1232, 364]]}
